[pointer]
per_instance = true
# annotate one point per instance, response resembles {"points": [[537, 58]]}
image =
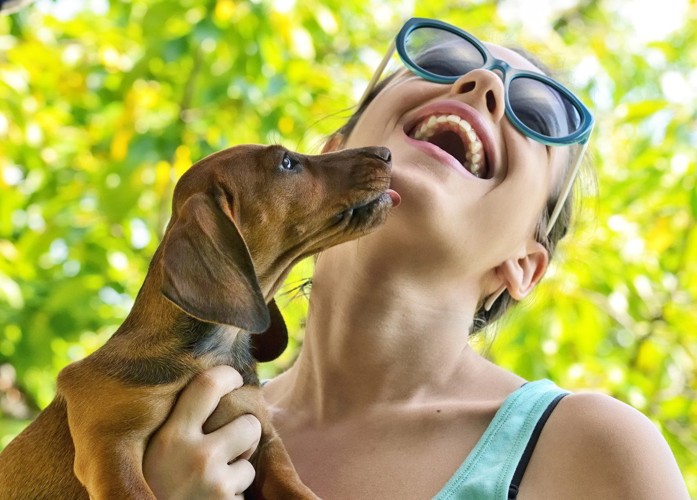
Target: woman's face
{"points": [[472, 188]]}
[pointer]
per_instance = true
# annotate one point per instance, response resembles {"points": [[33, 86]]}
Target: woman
{"points": [[387, 399]]}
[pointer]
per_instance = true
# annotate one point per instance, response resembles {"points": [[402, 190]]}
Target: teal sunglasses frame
{"points": [[508, 74]]}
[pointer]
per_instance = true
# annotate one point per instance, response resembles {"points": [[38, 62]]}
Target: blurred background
{"points": [[103, 105]]}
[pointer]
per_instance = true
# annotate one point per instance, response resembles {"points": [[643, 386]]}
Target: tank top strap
{"points": [[489, 469]]}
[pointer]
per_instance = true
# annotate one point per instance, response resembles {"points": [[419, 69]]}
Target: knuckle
{"points": [[219, 489], [219, 380], [207, 381], [201, 460], [162, 441], [170, 438]]}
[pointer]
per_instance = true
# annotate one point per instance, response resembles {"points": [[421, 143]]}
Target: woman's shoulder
{"points": [[595, 446]]}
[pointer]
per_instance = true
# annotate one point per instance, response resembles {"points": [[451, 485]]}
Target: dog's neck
{"points": [[161, 328], [155, 316], [151, 310]]}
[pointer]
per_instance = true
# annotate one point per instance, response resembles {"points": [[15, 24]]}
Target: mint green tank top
{"points": [[490, 468]]}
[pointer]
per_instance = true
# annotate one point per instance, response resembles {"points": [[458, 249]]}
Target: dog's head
{"points": [[243, 216]]}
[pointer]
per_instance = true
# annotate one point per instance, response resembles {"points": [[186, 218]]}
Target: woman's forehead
{"points": [[512, 57]]}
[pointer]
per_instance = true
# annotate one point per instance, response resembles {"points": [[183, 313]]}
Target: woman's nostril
{"points": [[467, 87], [490, 102]]}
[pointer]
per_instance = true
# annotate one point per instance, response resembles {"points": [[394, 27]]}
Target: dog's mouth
{"points": [[359, 219], [371, 212]]}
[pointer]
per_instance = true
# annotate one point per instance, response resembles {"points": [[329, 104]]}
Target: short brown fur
{"points": [[240, 219]]}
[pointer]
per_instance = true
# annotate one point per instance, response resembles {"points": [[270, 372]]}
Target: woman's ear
{"points": [[521, 274], [334, 143]]}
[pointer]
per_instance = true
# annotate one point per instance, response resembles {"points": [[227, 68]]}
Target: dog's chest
{"points": [[223, 345]]}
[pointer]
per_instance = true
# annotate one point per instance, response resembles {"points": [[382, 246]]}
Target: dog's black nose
{"points": [[384, 154]]}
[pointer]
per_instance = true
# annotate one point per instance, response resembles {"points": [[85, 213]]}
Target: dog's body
{"points": [[241, 218]]}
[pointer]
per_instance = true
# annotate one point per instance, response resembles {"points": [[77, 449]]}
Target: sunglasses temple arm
{"points": [[568, 184], [378, 73]]}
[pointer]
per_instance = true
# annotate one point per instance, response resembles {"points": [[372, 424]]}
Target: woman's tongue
{"points": [[451, 143]]}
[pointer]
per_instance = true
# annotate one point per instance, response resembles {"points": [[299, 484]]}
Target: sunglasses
{"points": [[538, 106]]}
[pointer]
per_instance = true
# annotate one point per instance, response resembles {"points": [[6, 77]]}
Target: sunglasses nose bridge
{"points": [[501, 68]]}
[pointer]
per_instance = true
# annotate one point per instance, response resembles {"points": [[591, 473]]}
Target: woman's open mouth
{"points": [[455, 136]]}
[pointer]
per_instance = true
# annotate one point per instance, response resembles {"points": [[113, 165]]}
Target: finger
{"points": [[241, 474], [198, 400], [239, 438]]}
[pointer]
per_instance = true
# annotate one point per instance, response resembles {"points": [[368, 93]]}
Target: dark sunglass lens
{"points": [[442, 53], [542, 108]]}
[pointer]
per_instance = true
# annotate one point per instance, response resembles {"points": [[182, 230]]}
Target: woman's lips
{"points": [[438, 154]]}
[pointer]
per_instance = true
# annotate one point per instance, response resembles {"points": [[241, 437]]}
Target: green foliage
{"points": [[103, 106]]}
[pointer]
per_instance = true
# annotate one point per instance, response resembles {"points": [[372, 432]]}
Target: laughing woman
{"points": [[387, 399]]}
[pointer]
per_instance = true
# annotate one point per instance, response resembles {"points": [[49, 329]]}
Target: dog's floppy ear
{"points": [[269, 345], [208, 271]]}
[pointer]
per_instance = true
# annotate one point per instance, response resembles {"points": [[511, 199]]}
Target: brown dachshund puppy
{"points": [[241, 219]]}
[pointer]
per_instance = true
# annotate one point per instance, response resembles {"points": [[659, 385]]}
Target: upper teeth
{"points": [[474, 158]]}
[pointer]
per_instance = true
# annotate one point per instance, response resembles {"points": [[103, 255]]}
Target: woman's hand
{"points": [[182, 462]]}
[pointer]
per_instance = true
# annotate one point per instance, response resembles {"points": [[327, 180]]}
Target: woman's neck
{"points": [[379, 332]]}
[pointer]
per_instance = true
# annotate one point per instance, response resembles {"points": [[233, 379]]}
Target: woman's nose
{"points": [[484, 86]]}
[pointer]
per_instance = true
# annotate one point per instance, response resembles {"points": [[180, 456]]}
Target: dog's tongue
{"points": [[394, 196]]}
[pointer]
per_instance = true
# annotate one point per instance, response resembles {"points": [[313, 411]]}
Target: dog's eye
{"points": [[288, 163]]}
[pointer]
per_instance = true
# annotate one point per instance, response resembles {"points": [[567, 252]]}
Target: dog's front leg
{"points": [[110, 424], [275, 475]]}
